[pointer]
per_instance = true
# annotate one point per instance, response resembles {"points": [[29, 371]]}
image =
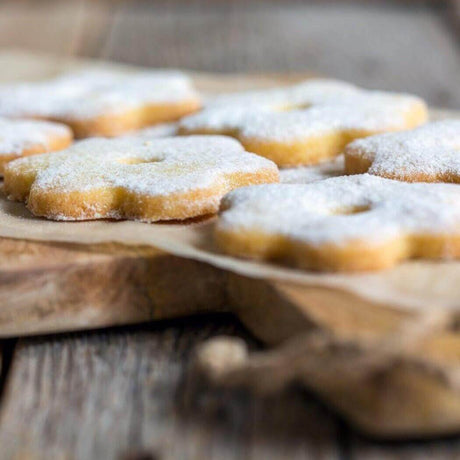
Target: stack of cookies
{"points": [[156, 150]]}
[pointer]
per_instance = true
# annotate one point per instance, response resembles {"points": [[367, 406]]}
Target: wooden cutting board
{"points": [[52, 287]]}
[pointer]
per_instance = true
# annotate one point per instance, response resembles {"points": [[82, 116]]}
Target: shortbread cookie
{"points": [[360, 222], [306, 123], [20, 138], [103, 103], [129, 178], [430, 153]]}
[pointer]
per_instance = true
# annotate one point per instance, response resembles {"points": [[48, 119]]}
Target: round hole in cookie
{"points": [[292, 107], [137, 161], [303, 106], [349, 210]]}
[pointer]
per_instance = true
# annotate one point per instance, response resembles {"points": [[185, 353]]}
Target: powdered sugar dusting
{"points": [[309, 108], [91, 93], [19, 135], [312, 213], [153, 167], [308, 92], [431, 150]]}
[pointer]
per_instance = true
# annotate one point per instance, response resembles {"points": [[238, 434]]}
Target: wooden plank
{"points": [[45, 285], [63, 28], [109, 395], [386, 47], [454, 15]]}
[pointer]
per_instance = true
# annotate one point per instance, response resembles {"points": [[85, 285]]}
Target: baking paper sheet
{"points": [[417, 284]]}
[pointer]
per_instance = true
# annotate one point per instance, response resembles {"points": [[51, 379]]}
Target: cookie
{"points": [[307, 123], [430, 153], [346, 223], [20, 138], [103, 103], [135, 178]]}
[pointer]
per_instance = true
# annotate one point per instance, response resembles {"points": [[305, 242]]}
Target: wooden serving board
{"points": [[53, 287]]}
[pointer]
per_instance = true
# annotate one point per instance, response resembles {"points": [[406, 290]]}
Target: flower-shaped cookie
{"points": [[20, 138], [306, 123], [106, 103], [359, 222], [129, 178], [430, 153]]}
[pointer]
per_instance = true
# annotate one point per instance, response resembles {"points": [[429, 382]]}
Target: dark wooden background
{"points": [[123, 393]]}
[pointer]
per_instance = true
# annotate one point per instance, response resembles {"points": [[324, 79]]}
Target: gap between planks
{"points": [[7, 348]]}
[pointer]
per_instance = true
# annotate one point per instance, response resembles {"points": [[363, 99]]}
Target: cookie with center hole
{"points": [[306, 123], [347, 223], [103, 102], [173, 178], [430, 153], [20, 138]]}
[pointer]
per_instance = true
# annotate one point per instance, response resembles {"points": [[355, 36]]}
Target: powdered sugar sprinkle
{"points": [[316, 213], [430, 150], [309, 108], [19, 135], [156, 166], [92, 93]]}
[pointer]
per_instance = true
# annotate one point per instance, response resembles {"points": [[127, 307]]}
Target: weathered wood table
{"points": [[122, 393]]}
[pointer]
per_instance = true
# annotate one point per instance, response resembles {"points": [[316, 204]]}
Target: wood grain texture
{"points": [[49, 287], [122, 394], [377, 47], [64, 28]]}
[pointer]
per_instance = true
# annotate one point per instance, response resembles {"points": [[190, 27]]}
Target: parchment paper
{"points": [[411, 285]]}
